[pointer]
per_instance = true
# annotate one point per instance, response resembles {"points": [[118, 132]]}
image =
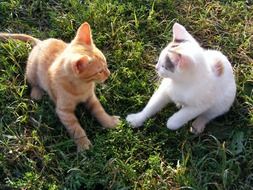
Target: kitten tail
{"points": [[21, 37]]}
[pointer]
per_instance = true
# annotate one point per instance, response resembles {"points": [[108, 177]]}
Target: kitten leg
{"points": [[181, 117], [199, 124], [158, 101], [98, 111], [73, 127], [32, 78], [36, 93]]}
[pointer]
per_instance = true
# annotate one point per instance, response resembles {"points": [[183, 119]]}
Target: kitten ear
{"points": [[181, 34], [84, 35], [80, 65], [183, 61]]}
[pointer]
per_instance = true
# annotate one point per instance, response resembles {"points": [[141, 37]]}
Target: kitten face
{"points": [[91, 64], [91, 67], [181, 55]]}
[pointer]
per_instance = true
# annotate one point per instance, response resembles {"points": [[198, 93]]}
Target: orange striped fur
{"points": [[68, 72]]}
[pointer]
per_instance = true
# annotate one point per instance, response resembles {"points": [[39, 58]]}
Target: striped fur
{"points": [[68, 72]]}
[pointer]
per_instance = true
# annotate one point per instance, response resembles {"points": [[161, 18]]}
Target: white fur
{"points": [[202, 93]]}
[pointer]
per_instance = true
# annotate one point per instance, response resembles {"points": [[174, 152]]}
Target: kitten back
{"points": [[21, 37]]}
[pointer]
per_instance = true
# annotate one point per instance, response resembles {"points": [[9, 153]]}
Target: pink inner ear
{"points": [[81, 64], [184, 62], [181, 60], [84, 34], [179, 32], [175, 57]]}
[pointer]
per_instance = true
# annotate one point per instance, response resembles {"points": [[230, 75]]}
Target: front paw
{"points": [[172, 125], [112, 122], [135, 120], [83, 144]]}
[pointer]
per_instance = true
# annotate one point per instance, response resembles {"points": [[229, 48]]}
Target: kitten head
{"points": [[88, 62], [182, 55]]}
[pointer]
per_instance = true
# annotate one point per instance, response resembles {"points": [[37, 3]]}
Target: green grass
{"points": [[35, 150]]}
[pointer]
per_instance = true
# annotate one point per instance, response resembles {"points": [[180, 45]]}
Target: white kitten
{"points": [[200, 81]]}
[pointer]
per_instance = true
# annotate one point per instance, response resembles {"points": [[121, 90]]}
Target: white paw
{"points": [[136, 120], [172, 125]]}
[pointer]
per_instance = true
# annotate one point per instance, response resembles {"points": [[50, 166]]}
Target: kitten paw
{"points": [[83, 144], [135, 120], [197, 127], [112, 122], [36, 93], [172, 125]]}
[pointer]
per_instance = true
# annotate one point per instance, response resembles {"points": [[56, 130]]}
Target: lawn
{"points": [[35, 149]]}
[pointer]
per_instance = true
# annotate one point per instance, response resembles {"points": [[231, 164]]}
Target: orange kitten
{"points": [[68, 72]]}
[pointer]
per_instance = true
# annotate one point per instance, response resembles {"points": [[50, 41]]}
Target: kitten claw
{"points": [[134, 120]]}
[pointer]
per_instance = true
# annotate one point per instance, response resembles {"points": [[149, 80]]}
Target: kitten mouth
{"points": [[162, 75], [101, 80]]}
